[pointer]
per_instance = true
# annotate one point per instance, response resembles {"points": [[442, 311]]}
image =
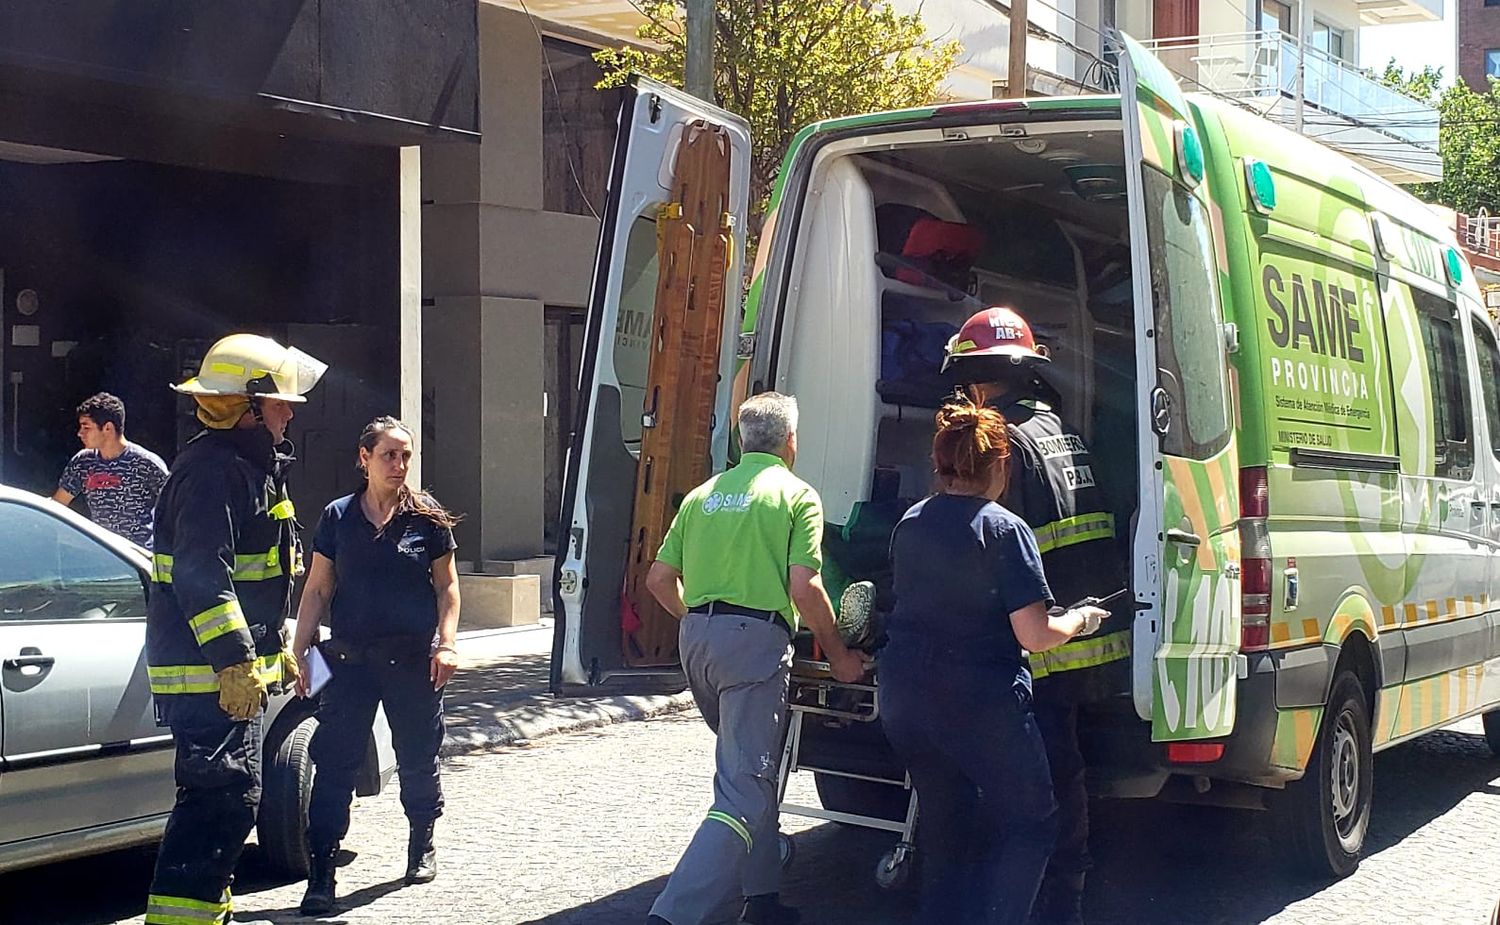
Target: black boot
{"points": [[318, 900], [421, 856], [766, 909]]}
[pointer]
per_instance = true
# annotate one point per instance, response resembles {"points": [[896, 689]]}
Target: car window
{"points": [[1189, 347], [50, 570], [1448, 382], [1489, 375]]}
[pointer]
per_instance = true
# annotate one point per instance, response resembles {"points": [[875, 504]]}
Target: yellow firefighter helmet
{"points": [[248, 364]]}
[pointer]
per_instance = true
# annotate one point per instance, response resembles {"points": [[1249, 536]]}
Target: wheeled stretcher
{"points": [[816, 696]]}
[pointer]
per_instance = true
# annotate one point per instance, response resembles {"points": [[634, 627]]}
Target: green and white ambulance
{"points": [[1281, 362]]}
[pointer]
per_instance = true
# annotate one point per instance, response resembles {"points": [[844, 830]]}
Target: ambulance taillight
{"points": [[1255, 564]]}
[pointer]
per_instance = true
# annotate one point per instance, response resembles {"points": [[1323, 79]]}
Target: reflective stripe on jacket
{"points": [[224, 554], [1053, 487]]}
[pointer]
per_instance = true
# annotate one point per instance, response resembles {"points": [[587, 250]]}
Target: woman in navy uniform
{"points": [[384, 580], [954, 685]]}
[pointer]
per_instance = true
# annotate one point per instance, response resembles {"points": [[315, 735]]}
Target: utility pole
{"points": [[1015, 81], [699, 76]]}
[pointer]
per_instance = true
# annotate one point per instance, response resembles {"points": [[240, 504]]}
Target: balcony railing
{"points": [[1257, 66], [1481, 233]]}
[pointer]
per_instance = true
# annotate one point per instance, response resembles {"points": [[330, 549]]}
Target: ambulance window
{"points": [[1489, 372], [632, 339], [1184, 291], [1447, 375]]}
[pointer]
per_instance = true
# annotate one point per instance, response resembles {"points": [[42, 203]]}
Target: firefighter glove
{"points": [[291, 670], [241, 691]]}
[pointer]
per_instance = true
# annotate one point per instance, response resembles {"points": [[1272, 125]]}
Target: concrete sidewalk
{"points": [[499, 696]]}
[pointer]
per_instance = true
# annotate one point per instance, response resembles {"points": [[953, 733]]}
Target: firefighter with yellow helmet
{"points": [[1051, 486], [225, 554]]}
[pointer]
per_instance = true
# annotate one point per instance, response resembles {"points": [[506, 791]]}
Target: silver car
{"points": [[83, 766]]}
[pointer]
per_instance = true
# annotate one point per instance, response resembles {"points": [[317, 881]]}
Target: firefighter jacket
{"points": [[1052, 487], [225, 553]]}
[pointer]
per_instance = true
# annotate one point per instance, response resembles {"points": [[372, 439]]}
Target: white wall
{"points": [[985, 35]]}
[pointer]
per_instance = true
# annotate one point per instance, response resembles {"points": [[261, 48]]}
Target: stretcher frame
{"points": [[812, 680]]}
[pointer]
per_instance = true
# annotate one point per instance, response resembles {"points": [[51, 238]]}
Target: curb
{"points": [[530, 723]]}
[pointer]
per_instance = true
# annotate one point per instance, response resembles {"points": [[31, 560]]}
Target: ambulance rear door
{"points": [[654, 390], [1186, 545]]}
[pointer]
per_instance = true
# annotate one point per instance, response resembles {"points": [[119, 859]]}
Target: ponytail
{"points": [[970, 442]]}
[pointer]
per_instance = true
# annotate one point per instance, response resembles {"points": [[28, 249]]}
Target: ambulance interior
{"points": [[904, 236]]}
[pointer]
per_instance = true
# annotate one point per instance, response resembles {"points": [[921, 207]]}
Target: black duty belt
{"points": [[389, 649], [726, 609]]}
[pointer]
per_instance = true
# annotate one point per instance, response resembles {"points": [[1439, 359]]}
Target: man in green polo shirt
{"points": [[738, 566]]}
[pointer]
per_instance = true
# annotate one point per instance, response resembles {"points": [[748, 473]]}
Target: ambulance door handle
{"points": [[1184, 538]]}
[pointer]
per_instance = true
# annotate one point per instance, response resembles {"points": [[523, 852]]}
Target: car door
{"points": [[1187, 561], [78, 740], [654, 408]]}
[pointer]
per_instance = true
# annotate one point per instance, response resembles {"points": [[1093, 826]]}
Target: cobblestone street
{"points": [[583, 828]]}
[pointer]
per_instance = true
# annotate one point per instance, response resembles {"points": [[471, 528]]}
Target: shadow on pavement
{"points": [[1162, 863], [345, 903], [1154, 862], [831, 882]]}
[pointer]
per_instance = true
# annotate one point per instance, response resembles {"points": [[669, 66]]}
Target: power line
{"points": [[561, 115]]}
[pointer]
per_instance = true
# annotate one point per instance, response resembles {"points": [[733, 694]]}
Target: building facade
{"points": [[1478, 42], [170, 173]]}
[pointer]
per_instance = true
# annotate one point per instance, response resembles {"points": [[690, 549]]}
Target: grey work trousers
{"points": [[737, 668]]}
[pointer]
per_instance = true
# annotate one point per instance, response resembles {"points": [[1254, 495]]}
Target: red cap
{"points": [[996, 332]]}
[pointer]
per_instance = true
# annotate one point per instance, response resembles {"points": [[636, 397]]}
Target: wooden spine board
{"points": [[682, 374]]}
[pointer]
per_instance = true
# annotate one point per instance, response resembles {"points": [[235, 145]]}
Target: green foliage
{"points": [[1425, 85], [782, 64], [1468, 138]]}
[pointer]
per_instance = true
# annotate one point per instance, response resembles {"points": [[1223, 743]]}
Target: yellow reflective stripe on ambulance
{"points": [[257, 566], [1081, 653], [738, 827], [218, 621], [1073, 530], [202, 679], [183, 910]]}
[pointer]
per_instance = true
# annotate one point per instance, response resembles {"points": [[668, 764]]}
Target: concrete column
{"points": [[493, 259], [410, 287], [483, 364]]}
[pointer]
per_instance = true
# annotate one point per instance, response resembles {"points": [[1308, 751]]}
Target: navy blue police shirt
{"points": [[383, 582], [962, 565]]}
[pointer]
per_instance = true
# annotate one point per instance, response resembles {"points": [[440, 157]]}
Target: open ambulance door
{"points": [[654, 387], [1186, 578]]}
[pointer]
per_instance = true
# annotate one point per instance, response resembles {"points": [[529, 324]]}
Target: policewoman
{"points": [[955, 691], [384, 580]]}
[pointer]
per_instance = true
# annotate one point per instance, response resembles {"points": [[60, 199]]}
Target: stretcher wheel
{"points": [[787, 850], [893, 870]]}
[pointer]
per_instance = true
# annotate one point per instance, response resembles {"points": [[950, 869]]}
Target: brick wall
{"points": [[1478, 31]]}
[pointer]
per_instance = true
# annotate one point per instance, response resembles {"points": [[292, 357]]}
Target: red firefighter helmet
{"points": [[996, 332]]}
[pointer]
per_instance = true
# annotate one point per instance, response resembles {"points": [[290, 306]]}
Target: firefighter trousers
{"points": [[218, 791], [738, 669], [346, 713], [1063, 884]]}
